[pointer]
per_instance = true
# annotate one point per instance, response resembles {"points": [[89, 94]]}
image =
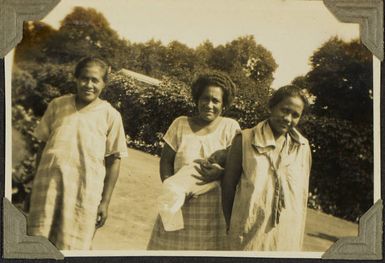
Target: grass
{"points": [[133, 211]]}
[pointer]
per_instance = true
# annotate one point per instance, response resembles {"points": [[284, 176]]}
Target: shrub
{"points": [[247, 111], [342, 173], [341, 180], [49, 81], [22, 174], [147, 110]]}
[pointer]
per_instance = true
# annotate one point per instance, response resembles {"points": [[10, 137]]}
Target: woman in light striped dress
{"points": [[189, 139], [83, 140]]}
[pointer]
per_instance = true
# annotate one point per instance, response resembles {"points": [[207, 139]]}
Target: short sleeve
{"points": [[171, 137], [44, 127], [116, 139], [232, 130]]}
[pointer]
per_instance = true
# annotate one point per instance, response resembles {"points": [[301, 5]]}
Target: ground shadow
{"points": [[324, 236]]}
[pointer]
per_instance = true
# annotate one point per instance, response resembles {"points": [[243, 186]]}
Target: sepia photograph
{"points": [[220, 127]]}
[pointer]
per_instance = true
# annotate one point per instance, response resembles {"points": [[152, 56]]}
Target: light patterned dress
{"points": [[269, 209], [68, 185], [204, 225]]}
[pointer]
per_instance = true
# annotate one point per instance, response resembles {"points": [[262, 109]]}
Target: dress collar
{"points": [[94, 105], [264, 141]]}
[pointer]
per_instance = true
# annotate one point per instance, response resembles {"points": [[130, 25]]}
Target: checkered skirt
{"points": [[204, 226]]}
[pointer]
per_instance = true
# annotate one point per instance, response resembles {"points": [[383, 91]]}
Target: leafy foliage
{"points": [[250, 65], [342, 70], [147, 110], [86, 32], [32, 46], [342, 170], [24, 121], [39, 84]]}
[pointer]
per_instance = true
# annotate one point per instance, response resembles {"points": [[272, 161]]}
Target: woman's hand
{"points": [[209, 172], [102, 214], [189, 196]]}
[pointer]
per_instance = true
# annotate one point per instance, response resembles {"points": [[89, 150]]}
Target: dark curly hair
{"points": [[288, 91], [214, 78], [85, 62]]}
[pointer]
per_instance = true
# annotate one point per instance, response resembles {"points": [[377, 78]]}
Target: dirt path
{"points": [[133, 211]]}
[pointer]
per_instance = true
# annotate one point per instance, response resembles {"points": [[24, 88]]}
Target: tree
{"points": [[341, 79], [341, 180], [250, 65], [151, 56], [131, 58], [86, 32], [34, 86], [180, 61], [35, 35], [204, 51], [302, 82], [23, 84]]}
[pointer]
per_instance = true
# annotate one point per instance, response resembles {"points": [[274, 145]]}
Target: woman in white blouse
{"points": [[189, 139]]}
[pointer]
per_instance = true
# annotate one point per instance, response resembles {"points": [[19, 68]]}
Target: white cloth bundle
{"points": [[174, 191]]}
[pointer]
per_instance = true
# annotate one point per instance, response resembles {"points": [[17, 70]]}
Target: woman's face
{"points": [[210, 103], [90, 83], [286, 115]]}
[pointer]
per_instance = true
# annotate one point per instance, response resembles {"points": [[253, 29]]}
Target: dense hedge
{"points": [[341, 180], [342, 170], [147, 110]]}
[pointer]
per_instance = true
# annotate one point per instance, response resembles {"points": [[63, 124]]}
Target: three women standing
{"points": [[264, 186]]}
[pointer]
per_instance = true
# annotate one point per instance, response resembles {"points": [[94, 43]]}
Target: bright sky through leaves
{"points": [[290, 29]]}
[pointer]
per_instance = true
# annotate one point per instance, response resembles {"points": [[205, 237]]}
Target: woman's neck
{"points": [[80, 104], [201, 122], [204, 123], [276, 134], [201, 127]]}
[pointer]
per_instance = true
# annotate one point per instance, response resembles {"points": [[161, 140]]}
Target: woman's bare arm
{"points": [[112, 173], [231, 177], [167, 162]]}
